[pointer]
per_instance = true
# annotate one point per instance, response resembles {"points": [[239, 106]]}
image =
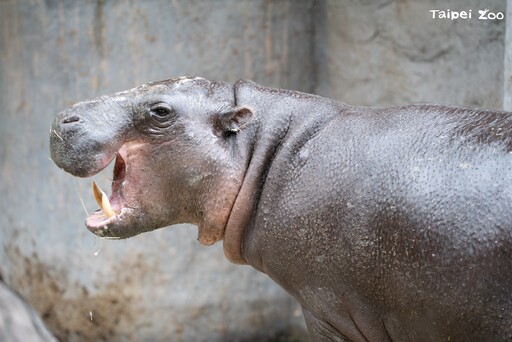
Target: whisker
{"points": [[80, 196], [57, 134]]}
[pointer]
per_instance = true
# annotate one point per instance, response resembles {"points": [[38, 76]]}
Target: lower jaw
{"points": [[103, 226], [123, 225], [98, 223]]}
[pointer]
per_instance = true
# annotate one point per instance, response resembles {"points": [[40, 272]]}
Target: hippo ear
{"points": [[234, 119]]}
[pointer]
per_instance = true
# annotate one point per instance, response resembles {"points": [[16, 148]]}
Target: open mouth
{"points": [[111, 208]]}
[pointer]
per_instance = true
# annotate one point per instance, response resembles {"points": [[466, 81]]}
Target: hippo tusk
{"points": [[97, 193], [102, 200]]}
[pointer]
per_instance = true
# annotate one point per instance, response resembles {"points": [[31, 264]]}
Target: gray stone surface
{"points": [[19, 322], [164, 285], [388, 52], [507, 62]]}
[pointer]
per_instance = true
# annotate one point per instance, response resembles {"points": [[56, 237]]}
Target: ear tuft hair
{"points": [[235, 119]]}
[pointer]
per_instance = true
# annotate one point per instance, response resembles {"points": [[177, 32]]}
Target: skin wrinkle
{"points": [[234, 231], [387, 331]]}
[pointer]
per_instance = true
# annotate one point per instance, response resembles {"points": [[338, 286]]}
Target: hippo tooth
{"points": [[97, 193], [102, 200], [107, 208]]}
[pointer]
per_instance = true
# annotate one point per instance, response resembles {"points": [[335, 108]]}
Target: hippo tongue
{"points": [[102, 200]]}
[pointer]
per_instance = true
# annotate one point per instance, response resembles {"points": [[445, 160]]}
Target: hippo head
{"points": [[175, 148]]}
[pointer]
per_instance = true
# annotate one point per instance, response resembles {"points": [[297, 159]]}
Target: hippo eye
{"points": [[160, 111]]}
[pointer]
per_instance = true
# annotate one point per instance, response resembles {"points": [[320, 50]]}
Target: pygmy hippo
{"points": [[386, 224]]}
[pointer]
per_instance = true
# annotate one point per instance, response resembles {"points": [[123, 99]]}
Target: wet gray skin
{"points": [[384, 223]]}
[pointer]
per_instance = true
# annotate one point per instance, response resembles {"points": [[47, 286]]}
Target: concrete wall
{"points": [[507, 77], [388, 52], [163, 285]]}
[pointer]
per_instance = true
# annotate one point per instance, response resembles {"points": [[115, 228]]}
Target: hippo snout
{"points": [[83, 144]]}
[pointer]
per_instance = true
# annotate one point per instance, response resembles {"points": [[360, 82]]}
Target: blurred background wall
{"points": [[164, 285]]}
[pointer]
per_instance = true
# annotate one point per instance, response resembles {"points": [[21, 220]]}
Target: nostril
{"points": [[71, 119]]}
